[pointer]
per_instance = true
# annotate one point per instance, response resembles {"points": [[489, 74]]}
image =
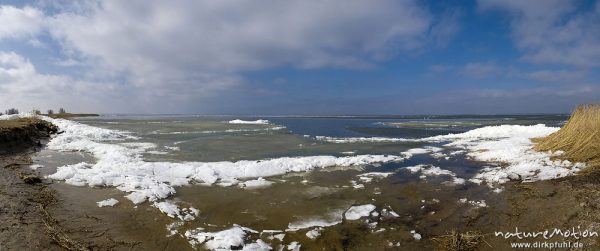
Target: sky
{"points": [[311, 57]]}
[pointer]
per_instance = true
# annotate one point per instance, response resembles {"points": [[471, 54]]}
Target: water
{"points": [[428, 206]]}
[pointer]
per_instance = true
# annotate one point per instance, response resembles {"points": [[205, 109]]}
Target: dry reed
{"points": [[456, 241], [579, 138]]}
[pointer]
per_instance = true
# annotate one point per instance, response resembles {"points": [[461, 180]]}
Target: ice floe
{"points": [[107, 203], [475, 203], [122, 165], [232, 238], [274, 128], [415, 235], [430, 170], [368, 177], [251, 122], [294, 246], [424, 150], [357, 212], [331, 219], [173, 211], [254, 184], [315, 233], [172, 228], [35, 166], [361, 139], [509, 146]]}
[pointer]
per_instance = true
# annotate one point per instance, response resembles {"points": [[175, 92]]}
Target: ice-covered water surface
{"points": [[346, 176]]}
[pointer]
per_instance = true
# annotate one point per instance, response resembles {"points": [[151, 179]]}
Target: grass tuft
{"points": [[579, 138], [456, 241]]}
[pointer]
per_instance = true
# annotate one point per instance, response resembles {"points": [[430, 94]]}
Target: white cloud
{"points": [[185, 50], [19, 23], [23, 87], [144, 38], [553, 31]]}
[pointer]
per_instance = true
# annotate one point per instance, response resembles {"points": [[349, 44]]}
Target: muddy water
{"points": [[428, 206]]}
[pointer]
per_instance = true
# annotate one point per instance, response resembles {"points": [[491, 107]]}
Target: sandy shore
{"points": [[40, 215]]}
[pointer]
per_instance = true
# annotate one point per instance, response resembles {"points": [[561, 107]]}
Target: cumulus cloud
{"points": [[553, 31], [22, 86], [187, 49], [156, 41], [20, 22]]}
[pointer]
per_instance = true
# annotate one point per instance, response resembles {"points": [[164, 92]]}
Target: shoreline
{"points": [[44, 212], [39, 214], [70, 115]]}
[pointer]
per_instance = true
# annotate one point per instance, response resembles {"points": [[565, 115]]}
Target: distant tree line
{"points": [[12, 111]]}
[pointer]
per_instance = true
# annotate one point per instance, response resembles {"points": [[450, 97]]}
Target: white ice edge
{"points": [[122, 165], [509, 149], [250, 122], [341, 140], [274, 128]]}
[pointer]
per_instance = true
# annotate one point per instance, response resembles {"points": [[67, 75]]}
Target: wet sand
{"points": [[561, 203]]}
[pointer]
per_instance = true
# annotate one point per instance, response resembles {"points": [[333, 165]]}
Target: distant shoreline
{"points": [[70, 115]]}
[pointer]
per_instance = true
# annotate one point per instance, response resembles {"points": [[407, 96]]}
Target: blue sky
{"points": [[300, 57]]}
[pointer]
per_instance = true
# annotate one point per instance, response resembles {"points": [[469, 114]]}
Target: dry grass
{"points": [[579, 138], [14, 123], [455, 241]]}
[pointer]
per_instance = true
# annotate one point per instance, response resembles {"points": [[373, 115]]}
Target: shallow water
{"points": [[429, 205]]}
